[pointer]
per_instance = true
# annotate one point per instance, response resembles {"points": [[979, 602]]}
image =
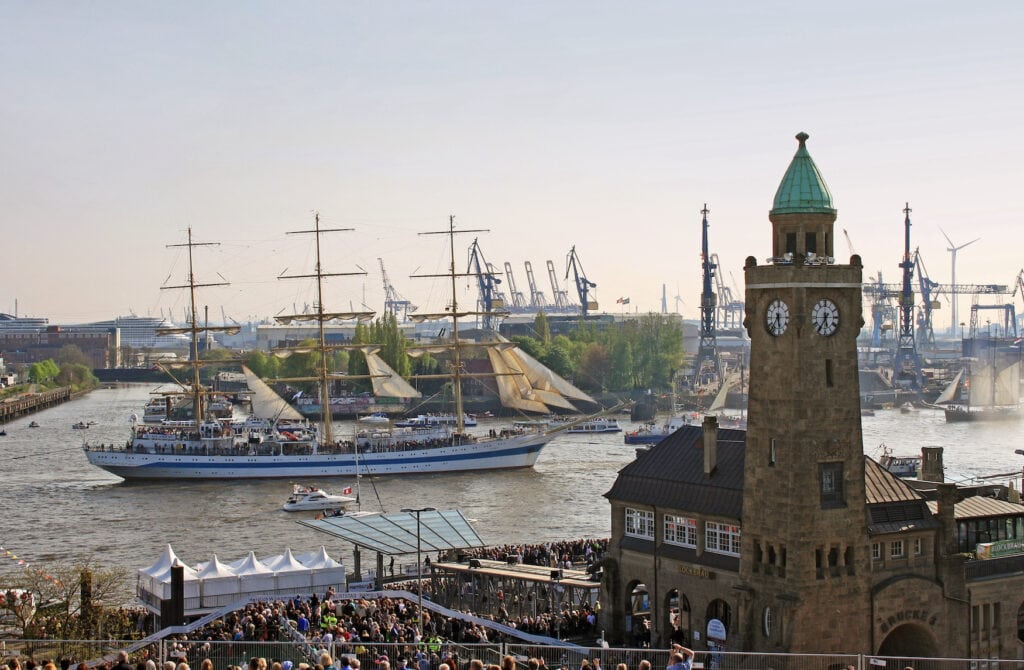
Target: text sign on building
{"points": [[1000, 548]]}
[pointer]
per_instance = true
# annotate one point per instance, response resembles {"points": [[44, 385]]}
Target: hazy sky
{"points": [[597, 124]]}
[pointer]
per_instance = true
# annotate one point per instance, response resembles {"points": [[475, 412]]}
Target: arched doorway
{"points": [[719, 624], [677, 619], [638, 614], [909, 639]]}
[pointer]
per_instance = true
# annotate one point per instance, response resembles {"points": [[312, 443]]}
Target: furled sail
{"points": [[266, 403], [541, 377]]}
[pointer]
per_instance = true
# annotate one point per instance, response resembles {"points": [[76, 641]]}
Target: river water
{"points": [[54, 506]]}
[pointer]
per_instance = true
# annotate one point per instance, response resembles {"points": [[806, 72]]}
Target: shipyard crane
{"points": [[730, 310], [583, 285], [925, 329], [880, 295], [1009, 326], [393, 302], [1018, 286], [707, 368], [849, 242], [906, 363], [490, 297], [561, 295], [537, 300], [519, 303]]}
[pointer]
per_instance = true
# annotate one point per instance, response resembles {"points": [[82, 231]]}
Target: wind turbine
{"points": [[679, 299], [952, 249]]}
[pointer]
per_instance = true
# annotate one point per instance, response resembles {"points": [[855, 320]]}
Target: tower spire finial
{"points": [[802, 137]]}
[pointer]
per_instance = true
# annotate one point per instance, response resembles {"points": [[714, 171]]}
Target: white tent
{"points": [[161, 582], [290, 573], [218, 583], [326, 570], [255, 578]]}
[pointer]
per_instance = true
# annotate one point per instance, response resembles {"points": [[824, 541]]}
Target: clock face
{"points": [[825, 317], [777, 317]]}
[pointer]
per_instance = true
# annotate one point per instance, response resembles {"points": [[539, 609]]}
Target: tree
{"points": [[593, 368], [71, 354], [43, 371], [77, 376], [541, 328]]}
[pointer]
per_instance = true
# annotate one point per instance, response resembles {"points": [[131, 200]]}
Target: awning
{"points": [[439, 530]]}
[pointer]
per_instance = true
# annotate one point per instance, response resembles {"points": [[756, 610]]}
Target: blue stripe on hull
{"points": [[124, 464]]}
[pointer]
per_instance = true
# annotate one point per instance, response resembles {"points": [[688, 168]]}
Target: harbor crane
{"points": [[1018, 286], [707, 368], [906, 363], [560, 294], [537, 300], [925, 328], [1009, 326], [583, 285], [519, 303], [730, 310], [490, 297], [394, 303]]}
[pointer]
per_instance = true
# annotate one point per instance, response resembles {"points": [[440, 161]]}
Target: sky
{"points": [[604, 126]]}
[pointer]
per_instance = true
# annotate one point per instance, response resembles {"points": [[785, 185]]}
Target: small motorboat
{"points": [[81, 425], [33, 425], [305, 498], [598, 425], [376, 417]]}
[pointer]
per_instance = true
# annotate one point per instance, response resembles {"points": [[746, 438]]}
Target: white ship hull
{"points": [[514, 452]]}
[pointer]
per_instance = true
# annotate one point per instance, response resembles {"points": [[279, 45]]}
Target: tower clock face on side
{"points": [[777, 317], [825, 317]]}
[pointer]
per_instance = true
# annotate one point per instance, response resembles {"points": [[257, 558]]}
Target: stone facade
{"points": [[786, 538]]}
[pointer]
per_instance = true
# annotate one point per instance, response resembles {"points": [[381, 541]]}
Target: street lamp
{"points": [[419, 567]]}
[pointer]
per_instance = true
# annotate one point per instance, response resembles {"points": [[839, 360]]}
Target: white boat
{"points": [[652, 433], [377, 418], [597, 425], [436, 420], [271, 448], [305, 498], [901, 466]]}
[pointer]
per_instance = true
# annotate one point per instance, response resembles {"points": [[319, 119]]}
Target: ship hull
{"points": [[518, 452]]}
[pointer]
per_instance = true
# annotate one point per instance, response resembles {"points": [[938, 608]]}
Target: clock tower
{"points": [[805, 542]]}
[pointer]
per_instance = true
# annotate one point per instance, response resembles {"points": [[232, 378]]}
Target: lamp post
{"points": [[419, 567]]}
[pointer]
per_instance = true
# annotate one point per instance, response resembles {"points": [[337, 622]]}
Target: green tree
{"points": [[541, 328], [558, 357], [72, 354], [77, 376], [594, 367], [43, 371]]}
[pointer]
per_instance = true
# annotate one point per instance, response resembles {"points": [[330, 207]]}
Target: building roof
{"points": [[881, 486], [803, 189], [979, 507], [399, 533], [671, 474]]}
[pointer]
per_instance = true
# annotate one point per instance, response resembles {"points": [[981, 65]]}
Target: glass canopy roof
{"points": [[439, 530]]}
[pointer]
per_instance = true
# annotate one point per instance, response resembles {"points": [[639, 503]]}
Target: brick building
{"points": [[785, 537]]}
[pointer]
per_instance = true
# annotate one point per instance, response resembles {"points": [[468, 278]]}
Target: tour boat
{"points": [[597, 425]]}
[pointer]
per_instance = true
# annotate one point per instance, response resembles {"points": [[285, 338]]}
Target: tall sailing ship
{"points": [[276, 442], [985, 390]]}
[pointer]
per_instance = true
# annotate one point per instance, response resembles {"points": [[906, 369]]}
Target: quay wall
{"points": [[28, 403]]}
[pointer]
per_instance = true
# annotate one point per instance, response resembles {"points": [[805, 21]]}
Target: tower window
{"points": [[771, 451], [828, 373], [832, 484], [791, 243], [811, 243]]}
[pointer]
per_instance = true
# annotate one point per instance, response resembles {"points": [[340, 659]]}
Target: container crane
{"points": [[537, 300], [730, 310], [906, 363], [1018, 286], [707, 368], [925, 329], [583, 285], [518, 299], [561, 295], [490, 297], [393, 302]]}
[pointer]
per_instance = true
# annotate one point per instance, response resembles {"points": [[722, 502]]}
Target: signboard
{"points": [[1000, 548], [716, 630]]}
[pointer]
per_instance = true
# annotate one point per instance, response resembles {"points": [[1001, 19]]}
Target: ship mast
{"points": [[454, 314], [321, 318], [198, 404]]}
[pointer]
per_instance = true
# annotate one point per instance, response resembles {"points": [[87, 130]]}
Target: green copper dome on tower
{"points": [[803, 189]]}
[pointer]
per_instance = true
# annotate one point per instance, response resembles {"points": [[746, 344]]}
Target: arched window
{"points": [[1020, 623]]}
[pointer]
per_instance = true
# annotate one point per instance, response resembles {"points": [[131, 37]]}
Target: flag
{"points": [[346, 491], [623, 301]]}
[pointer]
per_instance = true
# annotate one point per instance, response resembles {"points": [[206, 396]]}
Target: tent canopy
{"points": [[439, 530]]}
